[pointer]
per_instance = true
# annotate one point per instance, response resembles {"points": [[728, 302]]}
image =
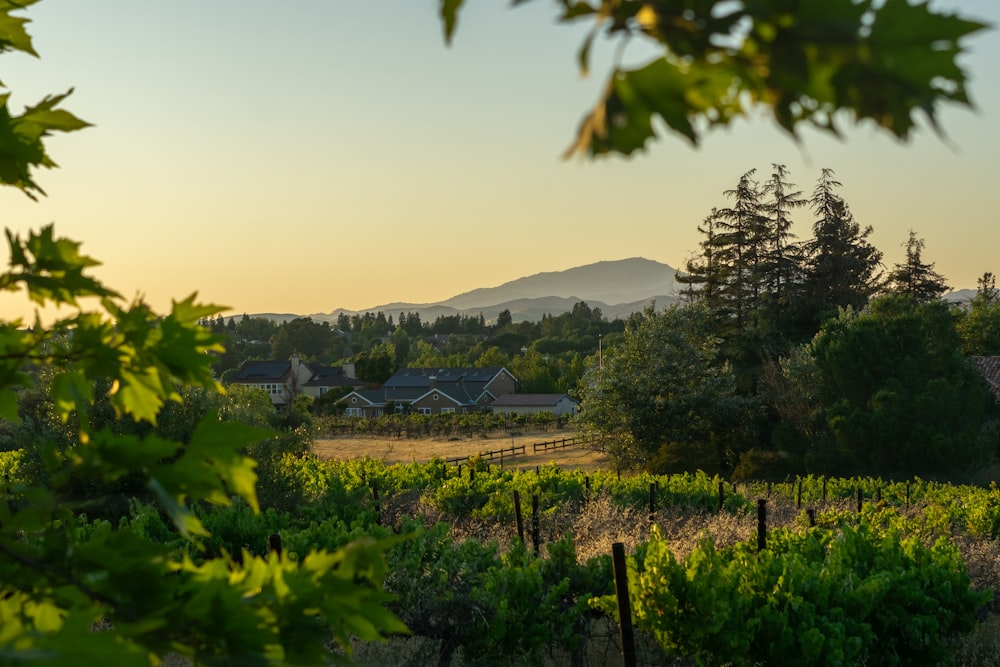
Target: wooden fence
{"points": [[501, 454], [573, 441], [491, 455]]}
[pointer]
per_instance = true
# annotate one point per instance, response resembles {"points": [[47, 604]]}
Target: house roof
{"points": [[263, 371], [331, 376], [256, 372], [477, 378], [463, 386], [990, 368], [530, 400]]}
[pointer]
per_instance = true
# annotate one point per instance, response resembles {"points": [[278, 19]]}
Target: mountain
{"points": [[619, 288], [617, 282]]}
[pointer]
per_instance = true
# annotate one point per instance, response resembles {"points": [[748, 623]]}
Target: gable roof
{"points": [[257, 372], [423, 377], [990, 368], [263, 371], [530, 400], [331, 376]]}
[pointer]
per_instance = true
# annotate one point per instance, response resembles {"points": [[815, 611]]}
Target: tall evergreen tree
{"points": [[705, 274], [740, 248], [915, 278], [979, 326], [841, 267], [783, 257]]}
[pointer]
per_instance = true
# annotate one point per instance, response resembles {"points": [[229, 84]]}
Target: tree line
{"points": [[547, 356], [790, 357]]}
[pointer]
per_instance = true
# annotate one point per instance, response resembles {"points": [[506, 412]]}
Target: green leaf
{"points": [[12, 32], [21, 140], [212, 466], [449, 14], [622, 121]]}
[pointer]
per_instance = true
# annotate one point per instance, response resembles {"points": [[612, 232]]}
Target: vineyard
{"points": [[506, 565]]}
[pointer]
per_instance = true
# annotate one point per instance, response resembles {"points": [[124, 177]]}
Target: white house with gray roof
{"points": [[432, 391]]}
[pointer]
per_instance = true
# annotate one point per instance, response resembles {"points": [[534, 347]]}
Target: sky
{"points": [[309, 155]]}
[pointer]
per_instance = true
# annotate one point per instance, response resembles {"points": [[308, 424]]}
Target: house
{"points": [[532, 404], [283, 380], [990, 368], [430, 391]]}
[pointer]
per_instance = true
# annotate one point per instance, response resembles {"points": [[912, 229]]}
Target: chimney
{"points": [[349, 370]]}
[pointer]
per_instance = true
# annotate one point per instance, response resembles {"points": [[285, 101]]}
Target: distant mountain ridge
{"points": [[619, 288]]}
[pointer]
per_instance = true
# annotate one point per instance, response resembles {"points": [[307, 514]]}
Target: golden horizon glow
{"points": [[300, 161]]}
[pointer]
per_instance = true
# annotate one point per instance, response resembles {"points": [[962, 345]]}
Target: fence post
{"points": [[535, 537], [274, 543], [652, 500], [624, 608], [517, 516], [761, 524]]}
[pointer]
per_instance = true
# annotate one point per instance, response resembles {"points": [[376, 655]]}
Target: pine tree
{"points": [[783, 257], [915, 278], [841, 267]]}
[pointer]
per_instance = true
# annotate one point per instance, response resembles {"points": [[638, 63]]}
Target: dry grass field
{"points": [[421, 450]]}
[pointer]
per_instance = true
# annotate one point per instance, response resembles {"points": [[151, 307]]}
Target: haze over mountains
{"points": [[619, 288]]}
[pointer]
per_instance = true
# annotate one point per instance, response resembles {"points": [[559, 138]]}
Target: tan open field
{"points": [[405, 450]]}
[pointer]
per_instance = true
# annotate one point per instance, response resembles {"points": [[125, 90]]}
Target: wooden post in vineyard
{"points": [[652, 500], [517, 516], [722, 495], [624, 607], [798, 499], [761, 524], [824, 489], [378, 508], [907, 494], [274, 543], [861, 497], [535, 535], [811, 513]]}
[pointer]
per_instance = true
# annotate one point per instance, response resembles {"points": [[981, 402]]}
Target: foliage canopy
{"points": [[810, 62]]}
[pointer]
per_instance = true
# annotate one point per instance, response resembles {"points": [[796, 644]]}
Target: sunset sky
{"points": [[302, 156]]}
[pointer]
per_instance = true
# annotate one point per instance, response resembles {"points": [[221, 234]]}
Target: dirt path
{"points": [[418, 451]]}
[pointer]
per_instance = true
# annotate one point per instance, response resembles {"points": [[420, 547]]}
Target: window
{"points": [[423, 411], [447, 411], [435, 397]]}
